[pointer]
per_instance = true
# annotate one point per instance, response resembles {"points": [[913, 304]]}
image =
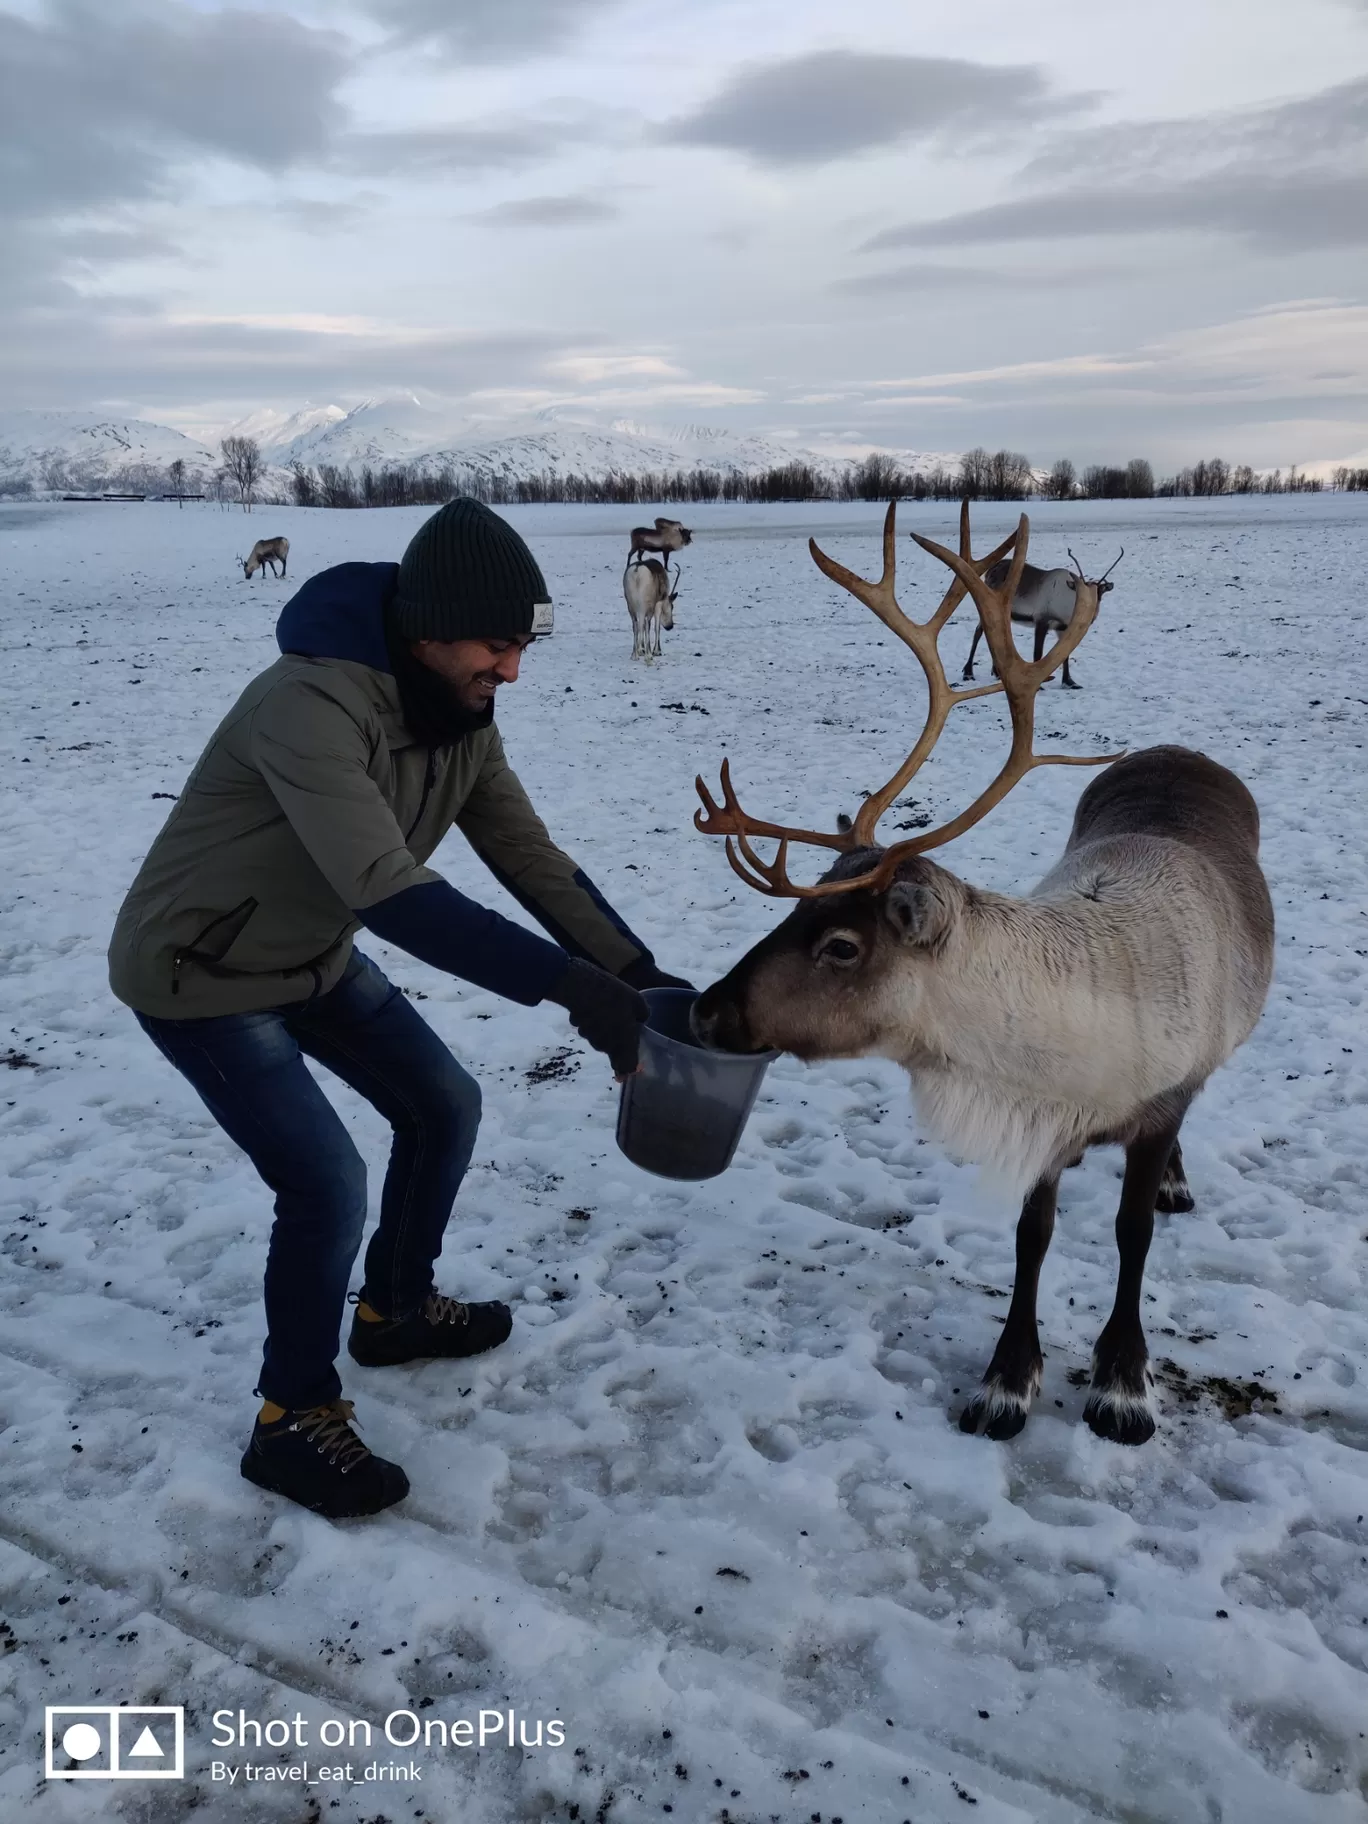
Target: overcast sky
{"points": [[1072, 228]]}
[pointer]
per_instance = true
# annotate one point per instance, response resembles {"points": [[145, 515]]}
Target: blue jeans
{"points": [[249, 1070]]}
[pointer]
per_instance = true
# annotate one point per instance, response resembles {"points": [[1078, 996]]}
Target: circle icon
{"points": [[82, 1742]]}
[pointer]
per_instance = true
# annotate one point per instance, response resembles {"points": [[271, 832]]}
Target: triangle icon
{"points": [[147, 1744]]}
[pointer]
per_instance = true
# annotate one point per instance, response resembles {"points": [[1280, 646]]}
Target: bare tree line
{"points": [[980, 475]]}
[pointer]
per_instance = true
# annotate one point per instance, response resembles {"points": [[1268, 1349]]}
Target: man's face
{"points": [[474, 668]]}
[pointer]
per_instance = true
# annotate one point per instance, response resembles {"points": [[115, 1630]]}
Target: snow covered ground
{"points": [[709, 1507]]}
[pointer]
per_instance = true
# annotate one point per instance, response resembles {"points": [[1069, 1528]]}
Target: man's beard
{"points": [[432, 708]]}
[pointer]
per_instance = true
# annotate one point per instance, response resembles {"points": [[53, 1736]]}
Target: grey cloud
{"points": [[549, 212], [97, 102], [829, 104], [930, 276], [319, 215], [489, 31], [1278, 214], [1326, 129], [435, 150], [1285, 178], [110, 242], [44, 265], [67, 355], [99, 105]]}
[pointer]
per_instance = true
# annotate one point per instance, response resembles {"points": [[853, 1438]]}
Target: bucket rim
{"points": [[663, 996]]}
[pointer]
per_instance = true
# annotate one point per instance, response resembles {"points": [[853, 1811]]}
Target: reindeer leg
{"points": [[1175, 1193], [1068, 682], [968, 672], [1040, 631], [999, 1409], [1118, 1405]]}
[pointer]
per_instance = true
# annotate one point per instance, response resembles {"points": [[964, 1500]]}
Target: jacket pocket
{"points": [[213, 943]]}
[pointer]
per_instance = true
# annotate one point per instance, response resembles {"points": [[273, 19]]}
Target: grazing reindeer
{"points": [[266, 551], [668, 535], [650, 602], [1045, 598], [1091, 1011]]}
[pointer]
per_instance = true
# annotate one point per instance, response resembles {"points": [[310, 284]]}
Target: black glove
{"points": [[608, 1013], [644, 973]]}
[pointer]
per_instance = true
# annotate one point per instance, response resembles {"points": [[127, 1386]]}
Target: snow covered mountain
{"points": [[409, 430], [42, 451], [378, 431], [60, 450], [45, 451], [276, 430]]}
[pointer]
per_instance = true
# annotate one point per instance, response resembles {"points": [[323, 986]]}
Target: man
{"points": [[311, 812]]}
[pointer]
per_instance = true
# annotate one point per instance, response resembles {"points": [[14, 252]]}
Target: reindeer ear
{"points": [[916, 912]]}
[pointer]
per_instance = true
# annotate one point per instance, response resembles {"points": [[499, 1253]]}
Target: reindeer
{"points": [[1045, 598], [266, 551], [1091, 1011], [650, 602], [668, 535]]}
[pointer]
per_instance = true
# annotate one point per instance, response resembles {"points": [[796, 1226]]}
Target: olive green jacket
{"points": [[311, 803]]}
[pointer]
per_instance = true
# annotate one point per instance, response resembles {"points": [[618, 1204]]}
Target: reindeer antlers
{"points": [[1019, 682]]}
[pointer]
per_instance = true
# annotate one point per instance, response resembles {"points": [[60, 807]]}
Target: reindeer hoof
{"points": [[996, 1415], [1070, 685], [1119, 1417]]}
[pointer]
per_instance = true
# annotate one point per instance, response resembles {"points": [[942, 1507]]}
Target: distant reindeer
{"points": [[1090, 1012], [265, 551], [1046, 599], [669, 535], [650, 602]]}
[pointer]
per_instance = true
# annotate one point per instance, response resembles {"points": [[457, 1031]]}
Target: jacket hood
{"points": [[340, 614]]}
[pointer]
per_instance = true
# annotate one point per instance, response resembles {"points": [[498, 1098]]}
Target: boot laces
{"points": [[440, 1309], [330, 1428]]}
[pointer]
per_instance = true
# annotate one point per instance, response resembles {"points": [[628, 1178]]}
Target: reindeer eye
{"points": [[839, 950]]}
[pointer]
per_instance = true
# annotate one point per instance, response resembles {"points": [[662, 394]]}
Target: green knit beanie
{"points": [[467, 575]]}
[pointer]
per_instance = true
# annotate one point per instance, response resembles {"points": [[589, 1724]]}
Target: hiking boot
{"points": [[441, 1327], [315, 1458]]}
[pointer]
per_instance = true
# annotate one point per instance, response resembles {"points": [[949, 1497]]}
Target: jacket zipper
{"points": [[429, 780]]}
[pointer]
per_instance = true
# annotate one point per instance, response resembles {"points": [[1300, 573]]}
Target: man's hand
{"points": [[604, 1011], [644, 973]]}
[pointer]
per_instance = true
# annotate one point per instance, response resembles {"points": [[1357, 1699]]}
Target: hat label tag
{"points": [[541, 617]]}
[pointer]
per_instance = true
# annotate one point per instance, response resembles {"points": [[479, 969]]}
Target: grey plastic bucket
{"points": [[682, 1114]]}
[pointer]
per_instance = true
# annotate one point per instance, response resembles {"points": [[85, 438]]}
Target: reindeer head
{"points": [[1099, 583], [846, 970], [843, 975], [668, 604]]}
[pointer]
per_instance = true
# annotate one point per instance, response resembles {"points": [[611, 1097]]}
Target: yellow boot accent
{"points": [[367, 1316], [270, 1413]]}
